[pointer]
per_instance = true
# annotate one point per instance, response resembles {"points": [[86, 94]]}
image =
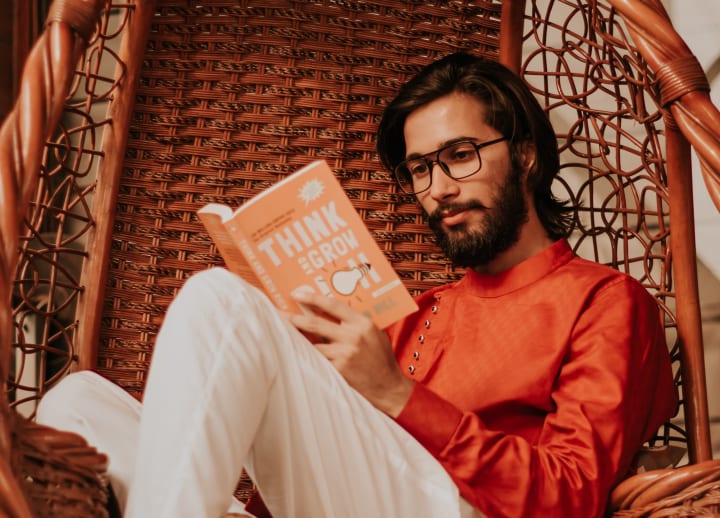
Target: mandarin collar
{"points": [[520, 275]]}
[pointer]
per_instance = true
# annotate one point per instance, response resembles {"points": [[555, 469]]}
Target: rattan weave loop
{"points": [[679, 77], [694, 488]]}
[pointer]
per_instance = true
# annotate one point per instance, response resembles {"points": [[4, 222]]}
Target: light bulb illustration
{"points": [[345, 281]]}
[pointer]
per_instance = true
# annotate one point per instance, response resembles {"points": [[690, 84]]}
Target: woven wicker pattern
{"points": [[63, 477], [234, 97]]}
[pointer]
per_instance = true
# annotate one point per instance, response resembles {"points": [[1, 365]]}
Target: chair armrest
{"points": [[690, 487]]}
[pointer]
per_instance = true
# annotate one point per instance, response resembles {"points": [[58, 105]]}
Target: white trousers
{"points": [[233, 384]]}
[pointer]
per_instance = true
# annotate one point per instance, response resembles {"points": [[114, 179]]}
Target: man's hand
{"points": [[358, 349]]}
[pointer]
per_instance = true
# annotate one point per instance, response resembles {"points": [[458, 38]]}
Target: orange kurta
{"points": [[536, 386]]}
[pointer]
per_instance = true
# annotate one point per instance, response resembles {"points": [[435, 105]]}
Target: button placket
{"points": [[421, 337]]}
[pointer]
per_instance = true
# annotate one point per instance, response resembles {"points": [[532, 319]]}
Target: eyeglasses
{"points": [[457, 160]]}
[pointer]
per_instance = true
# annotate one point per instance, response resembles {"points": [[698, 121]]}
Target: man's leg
{"points": [[233, 383], [107, 417], [104, 414]]}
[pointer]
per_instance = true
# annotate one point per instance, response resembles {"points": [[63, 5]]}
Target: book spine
{"points": [[270, 288]]}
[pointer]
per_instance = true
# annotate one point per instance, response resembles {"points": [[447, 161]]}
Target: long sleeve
{"points": [[566, 393]]}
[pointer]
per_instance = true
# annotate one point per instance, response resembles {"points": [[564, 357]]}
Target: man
{"points": [[498, 397]]}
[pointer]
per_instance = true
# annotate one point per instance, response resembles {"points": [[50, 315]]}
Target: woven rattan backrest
{"points": [[233, 98], [232, 95]]}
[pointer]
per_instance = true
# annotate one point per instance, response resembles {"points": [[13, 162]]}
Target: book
{"points": [[303, 233]]}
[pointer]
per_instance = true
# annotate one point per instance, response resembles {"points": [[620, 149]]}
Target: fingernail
{"points": [[301, 297]]}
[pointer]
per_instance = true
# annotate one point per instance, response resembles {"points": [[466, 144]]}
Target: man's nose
{"points": [[442, 186]]}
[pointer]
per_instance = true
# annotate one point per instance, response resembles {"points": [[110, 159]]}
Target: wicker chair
{"points": [[43, 472], [179, 103]]}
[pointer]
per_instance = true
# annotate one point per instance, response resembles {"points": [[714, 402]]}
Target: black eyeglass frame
{"points": [[443, 166]]}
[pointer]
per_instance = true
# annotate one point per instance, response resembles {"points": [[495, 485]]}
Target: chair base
{"points": [[62, 475]]}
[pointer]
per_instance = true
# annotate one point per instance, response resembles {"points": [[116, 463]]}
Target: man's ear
{"points": [[528, 155]]}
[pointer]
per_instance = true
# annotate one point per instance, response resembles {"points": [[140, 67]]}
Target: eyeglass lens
{"points": [[458, 161]]}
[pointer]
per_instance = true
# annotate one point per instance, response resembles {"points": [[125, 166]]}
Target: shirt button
{"points": [[416, 355], [411, 369]]}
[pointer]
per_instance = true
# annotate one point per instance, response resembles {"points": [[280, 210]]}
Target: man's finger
{"points": [[313, 325], [331, 306], [328, 351]]}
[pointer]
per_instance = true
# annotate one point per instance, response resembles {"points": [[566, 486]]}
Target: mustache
{"points": [[437, 214]]}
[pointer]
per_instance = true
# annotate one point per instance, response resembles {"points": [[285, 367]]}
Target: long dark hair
{"points": [[511, 109]]}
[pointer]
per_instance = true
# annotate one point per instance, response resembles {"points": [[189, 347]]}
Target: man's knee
{"points": [[213, 280], [81, 398], [210, 287], [60, 404], [210, 292]]}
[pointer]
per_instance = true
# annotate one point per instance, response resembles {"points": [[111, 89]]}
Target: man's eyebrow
{"points": [[444, 144]]}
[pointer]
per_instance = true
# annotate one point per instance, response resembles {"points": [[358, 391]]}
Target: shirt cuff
{"points": [[430, 419]]}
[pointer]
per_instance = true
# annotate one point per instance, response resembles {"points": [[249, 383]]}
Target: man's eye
{"points": [[461, 154], [418, 168]]}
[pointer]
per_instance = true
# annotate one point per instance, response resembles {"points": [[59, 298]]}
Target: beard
{"points": [[478, 246]]}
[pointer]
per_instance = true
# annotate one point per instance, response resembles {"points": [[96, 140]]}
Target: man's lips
{"points": [[454, 216]]}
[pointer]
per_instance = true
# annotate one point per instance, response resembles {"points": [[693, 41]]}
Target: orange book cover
{"points": [[303, 233]]}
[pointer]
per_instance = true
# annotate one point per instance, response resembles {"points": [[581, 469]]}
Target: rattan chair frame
{"points": [[215, 101]]}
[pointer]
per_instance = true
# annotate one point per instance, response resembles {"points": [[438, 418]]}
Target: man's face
{"points": [[476, 218]]}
